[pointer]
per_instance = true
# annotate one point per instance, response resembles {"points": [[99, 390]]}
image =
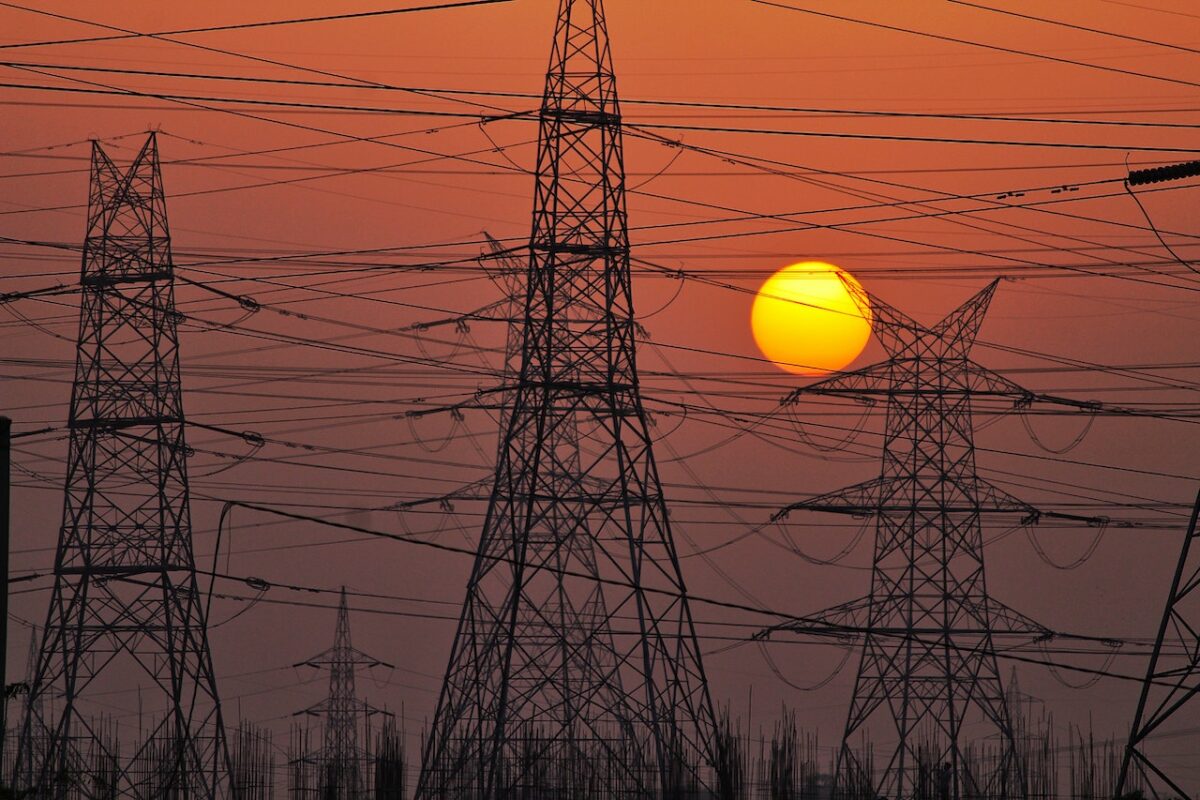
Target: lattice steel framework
{"points": [[126, 598], [1172, 679], [575, 670], [928, 627], [340, 773]]}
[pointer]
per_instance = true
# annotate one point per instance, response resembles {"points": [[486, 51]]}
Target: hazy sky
{"points": [[274, 200]]}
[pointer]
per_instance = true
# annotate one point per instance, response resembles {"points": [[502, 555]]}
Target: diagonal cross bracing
{"points": [[125, 593], [544, 693], [928, 627]]}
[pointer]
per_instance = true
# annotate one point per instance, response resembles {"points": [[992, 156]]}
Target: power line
{"points": [[1077, 27], [998, 48], [250, 101], [231, 27], [714, 602], [808, 112], [198, 100]]}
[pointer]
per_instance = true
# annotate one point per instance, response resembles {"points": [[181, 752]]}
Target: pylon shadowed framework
{"points": [[126, 599], [575, 670], [508, 272], [1172, 682], [342, 761], [929, 627]]}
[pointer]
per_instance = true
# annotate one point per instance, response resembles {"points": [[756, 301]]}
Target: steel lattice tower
{"points": [[340, 774], [929, 625], [126, 598], [1172, 677], [578, 613], [545, 692], [508, 272]]}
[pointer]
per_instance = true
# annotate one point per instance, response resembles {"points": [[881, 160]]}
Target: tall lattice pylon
{"points": [[340, 766], [575, 670], [1168, 696], [126, 601], [929, 626], [508, 272]]}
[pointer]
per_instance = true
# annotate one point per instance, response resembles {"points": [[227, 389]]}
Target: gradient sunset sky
{"points": [[920, 160]]}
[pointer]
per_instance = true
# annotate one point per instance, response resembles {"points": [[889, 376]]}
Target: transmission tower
{"points": [[545, 691], [928, 627], [126, 600], [340, 765], [580, 614], [508, 272], [1172, 678]]}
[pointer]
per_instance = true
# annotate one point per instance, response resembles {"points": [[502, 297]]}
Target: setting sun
{"points": [[806, 321]]}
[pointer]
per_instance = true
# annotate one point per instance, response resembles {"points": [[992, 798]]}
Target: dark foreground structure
{"points": [[575, 670], [929, 629], [126, 599]]}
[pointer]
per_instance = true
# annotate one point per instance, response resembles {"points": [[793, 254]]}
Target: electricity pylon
{"points": [[573, 612], [929, 626], [340, 766], [508, 272], [126, 601], [1172, 677], [545, 691]]}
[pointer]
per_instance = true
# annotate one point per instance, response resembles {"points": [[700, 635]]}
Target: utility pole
{"points": [[545, 693]]}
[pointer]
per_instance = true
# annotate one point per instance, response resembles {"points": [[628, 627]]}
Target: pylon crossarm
{"points": [[990, 498], [866, 499], [506, 269], [979, 381], [893, 326], [876, 382], [355, 656], [1007, 620], [844, 621], [960, 327], [861, 500], [46, 291], [865, 385], [853, 618]]}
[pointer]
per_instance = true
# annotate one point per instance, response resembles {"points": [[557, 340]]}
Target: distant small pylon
{"points": [[341, 765]]}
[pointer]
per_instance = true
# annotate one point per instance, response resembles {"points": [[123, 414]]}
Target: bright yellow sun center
{"points": [[806, 321]]}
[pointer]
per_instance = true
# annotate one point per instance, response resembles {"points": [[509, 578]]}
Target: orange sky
{"points": [[720, 51]]}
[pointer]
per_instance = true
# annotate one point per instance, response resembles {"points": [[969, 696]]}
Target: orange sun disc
{"points": [[807, 322]]}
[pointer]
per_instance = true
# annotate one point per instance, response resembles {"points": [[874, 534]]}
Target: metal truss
{"points": [[928, 629], [1172, 679], [340, 765], [126, 601], [575, 670]]}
